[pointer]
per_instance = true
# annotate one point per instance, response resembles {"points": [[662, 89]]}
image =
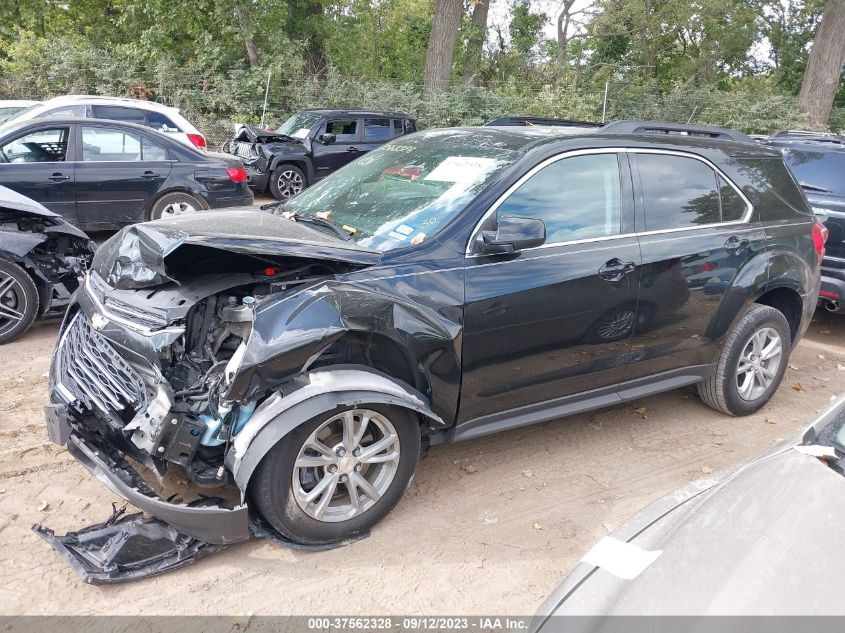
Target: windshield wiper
{"points": [[316, 220], [805, 185]]}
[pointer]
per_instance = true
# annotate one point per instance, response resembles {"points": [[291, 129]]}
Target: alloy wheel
{"points": [[759, 363], [178, 208], [289, 184], [346, 465], [13, 305]]}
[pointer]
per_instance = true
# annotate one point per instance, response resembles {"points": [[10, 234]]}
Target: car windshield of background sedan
{"points": [[402, 193], [299, 125]]}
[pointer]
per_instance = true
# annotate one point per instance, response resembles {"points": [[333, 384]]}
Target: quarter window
{"points": [[103, 144], [577, 198], [345, 131], [733, 206], [152, 151], [161, 122], [43, 146], [678, 192], [116, 113]]}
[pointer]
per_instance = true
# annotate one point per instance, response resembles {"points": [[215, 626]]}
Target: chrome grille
{"points": [[245, 150], [148, 317], [96, 375]]}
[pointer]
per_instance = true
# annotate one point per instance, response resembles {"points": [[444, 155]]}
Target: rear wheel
{"points": [[286, 181], [338, 474], [173, 204], [18, 301], [752, 363]]}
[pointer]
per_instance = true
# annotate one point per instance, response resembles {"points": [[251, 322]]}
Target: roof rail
{"points": [[529, 121], [805, 136], [681, 129]]}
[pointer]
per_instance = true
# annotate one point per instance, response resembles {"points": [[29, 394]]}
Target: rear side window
{"points": [[678, 192], [159, 121], [770, 186], [345, 131], [398, 127], [152, 151], [376, 130], [577, 198], [116, 113], [822, 172]]}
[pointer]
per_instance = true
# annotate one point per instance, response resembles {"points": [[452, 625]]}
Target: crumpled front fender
{"points": [[324, 390]]}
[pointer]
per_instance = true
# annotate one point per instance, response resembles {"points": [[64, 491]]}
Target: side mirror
{"points": [[512, 235], [328, 138]]}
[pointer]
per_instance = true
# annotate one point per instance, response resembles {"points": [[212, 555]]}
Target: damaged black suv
{"points": [[450, 284], [312, 144]]}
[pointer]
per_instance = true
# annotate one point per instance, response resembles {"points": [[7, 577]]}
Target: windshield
{"points": [[403, 192], [299, 125], [820, 171], [16, 114]]}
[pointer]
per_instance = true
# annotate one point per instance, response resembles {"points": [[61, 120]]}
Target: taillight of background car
{"points": [[198, 140], [820, 234], [238, 174]]}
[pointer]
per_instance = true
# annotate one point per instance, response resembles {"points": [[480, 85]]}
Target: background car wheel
{"points": [[286, 181], [172, 204], [338, 474], [752, 363], [18, 301]]}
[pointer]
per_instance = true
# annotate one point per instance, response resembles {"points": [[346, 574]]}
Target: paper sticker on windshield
{"points": [[301, 133], [461, 169]]}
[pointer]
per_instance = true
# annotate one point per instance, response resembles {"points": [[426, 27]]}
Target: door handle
{"points": [[616, 269], [734, 244], [149, 175], [58, 177], [354, 150]]}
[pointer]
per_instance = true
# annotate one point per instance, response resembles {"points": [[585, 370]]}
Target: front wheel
{"points": [[286, 181], [338, 474], [752, 363], [18, 301]]}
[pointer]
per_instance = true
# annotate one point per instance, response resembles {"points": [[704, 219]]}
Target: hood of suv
{"points": [[149, 254]]}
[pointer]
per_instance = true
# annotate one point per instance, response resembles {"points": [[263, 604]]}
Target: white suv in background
{"points": [[155, 115]]}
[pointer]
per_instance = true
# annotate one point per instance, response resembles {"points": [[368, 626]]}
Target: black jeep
{"points": [[311, 145]]}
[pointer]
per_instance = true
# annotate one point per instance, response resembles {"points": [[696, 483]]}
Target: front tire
{"points": [[336, 476], [752, 363], [18, 301], [286, 181]]}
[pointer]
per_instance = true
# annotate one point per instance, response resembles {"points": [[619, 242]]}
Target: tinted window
{"points": [[119, 114], [70, 110], [577, 198], [677, 192], [161, 122], [152, 151], [820, 170], [108, 144], [397, 127], [346, 131], [376, 129], [733, 206], [44, 146]]}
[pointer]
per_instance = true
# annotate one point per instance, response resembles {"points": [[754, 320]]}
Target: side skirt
{"points": [[579, 403]]}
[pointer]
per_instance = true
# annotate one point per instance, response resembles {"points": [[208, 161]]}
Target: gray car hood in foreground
{"points": [[765, 538]]}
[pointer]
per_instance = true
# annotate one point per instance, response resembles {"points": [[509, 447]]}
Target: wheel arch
{"points": [[324, 391], [787, 300], [177, 189], [303, 162]]}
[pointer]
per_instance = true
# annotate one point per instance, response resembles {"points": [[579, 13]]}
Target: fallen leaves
{"points": [[824, 332], [537, 525], [798, 387], [526, 472], [43, 507], [470, 468], [706, 470], [687, 396], [769, 421]]}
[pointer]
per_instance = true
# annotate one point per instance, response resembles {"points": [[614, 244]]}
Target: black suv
{"points": [[455, 283], [818, 162], [312, 144]]}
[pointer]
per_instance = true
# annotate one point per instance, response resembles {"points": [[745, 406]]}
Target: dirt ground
{"points": [[488, 526]]}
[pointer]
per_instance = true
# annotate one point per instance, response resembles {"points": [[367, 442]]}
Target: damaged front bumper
{"points": [[208, 522]]}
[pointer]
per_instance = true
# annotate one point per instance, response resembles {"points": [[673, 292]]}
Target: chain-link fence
{"points": [[215, 103]]}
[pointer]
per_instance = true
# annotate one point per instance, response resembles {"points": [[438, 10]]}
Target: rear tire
{"points": [[322, 457], [752, 363], [19, 301], [173, 204], [286, 181]]}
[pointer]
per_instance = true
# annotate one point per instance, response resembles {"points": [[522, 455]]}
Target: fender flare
{"points": [[324, 391]]}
